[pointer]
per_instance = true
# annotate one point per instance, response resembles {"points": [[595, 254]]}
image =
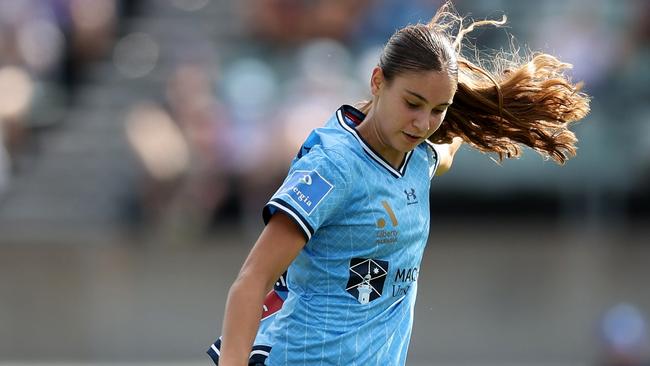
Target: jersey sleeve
{"points": [[434, 158], [312, 192]]}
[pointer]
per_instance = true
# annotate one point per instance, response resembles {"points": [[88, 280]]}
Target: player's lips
{"points": [[412, 138]]}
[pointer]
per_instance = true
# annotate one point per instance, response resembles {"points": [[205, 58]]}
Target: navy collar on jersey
{"points": [[352, 114]]}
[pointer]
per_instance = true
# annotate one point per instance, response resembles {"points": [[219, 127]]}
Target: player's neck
{"points": [[369, 131]]}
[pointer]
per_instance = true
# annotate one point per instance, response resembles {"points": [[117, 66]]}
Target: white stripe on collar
{"points": [[398, 173]]}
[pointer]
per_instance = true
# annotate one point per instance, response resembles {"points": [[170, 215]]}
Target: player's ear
{"points": [[377, 80]]}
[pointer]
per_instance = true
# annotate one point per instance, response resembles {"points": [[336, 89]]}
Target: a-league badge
{"points": [[307, 188]]}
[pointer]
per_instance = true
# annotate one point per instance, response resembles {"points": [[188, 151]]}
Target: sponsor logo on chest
{"points": [[387, 233], [404, 278]]}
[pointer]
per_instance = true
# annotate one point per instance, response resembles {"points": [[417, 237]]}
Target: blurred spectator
{"points": [[294, 21], [381, 18], [207, 129], [582, 24], [4, 166], [43, 47], [92, 28], [16, 91], [163, 152]]}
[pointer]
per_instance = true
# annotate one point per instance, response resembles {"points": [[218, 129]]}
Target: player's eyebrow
{"points": [[417, 96], [425, 99]]}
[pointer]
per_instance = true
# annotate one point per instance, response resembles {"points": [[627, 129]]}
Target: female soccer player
{"points": [[351, 220]]}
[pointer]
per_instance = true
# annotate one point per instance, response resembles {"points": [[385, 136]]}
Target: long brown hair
{"points": [[500, 103]]}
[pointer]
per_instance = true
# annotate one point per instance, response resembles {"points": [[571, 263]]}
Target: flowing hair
{"points": [[500, 104]]}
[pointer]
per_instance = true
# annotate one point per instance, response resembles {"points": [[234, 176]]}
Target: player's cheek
{"points": [[437, 122]]}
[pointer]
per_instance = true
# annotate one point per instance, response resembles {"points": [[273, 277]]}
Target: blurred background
{"points": [[139, 141]]}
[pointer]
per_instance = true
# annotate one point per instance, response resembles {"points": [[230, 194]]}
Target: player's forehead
{"points": [[436, 87]]}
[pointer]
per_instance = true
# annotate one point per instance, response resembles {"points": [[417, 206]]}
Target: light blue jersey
{"points": [[352, 289]]}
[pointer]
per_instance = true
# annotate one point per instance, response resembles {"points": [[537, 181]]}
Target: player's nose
{"points": [[422, 124]]}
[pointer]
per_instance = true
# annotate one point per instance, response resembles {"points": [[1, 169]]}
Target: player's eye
{"points": [[438, 111], [411, 105]]}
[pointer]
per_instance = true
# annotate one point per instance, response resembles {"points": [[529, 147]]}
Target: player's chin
{"points": [[405, 147]]}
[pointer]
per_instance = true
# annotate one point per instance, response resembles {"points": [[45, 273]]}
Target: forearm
{"points": [[241, 320], [277, 246]]}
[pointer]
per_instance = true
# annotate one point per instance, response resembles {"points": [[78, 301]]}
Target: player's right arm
{"points": [[278, 245]]}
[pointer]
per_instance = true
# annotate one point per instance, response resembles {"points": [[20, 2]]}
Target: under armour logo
{"points": [[411, 198]]}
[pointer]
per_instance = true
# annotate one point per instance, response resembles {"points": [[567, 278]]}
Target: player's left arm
{"points": [[447, 152]]}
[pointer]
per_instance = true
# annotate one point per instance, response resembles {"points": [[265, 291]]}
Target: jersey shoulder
{"points": [[333, 141]]}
